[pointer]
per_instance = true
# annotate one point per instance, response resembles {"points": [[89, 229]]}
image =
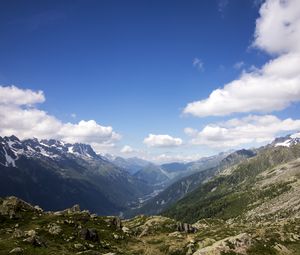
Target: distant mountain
{"points": [[264, 187], [236, 157], [177, 170], [287, 141], [184, 185], [153, 175], [56, 175], [132, 165], [164, 174]]}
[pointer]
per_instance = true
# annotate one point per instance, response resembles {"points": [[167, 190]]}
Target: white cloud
{"points": [[19, 117], [162, 141], [11, 95], [278, 28], [277, 84], [73, 115], [127, 149], [198, 63], [238, 65], [247, 130], [190, 131], [87, 132]]}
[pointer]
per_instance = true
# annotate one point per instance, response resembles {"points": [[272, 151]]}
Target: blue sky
{"points": [[134, 65]]}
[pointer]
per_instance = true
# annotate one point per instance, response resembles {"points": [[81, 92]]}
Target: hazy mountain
{"points": [[152, 174], [132, 165], [250, 206], [177, 170], [267, 183], [184, 185]]}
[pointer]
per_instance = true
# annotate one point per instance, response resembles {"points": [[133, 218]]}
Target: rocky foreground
{"points": [[27, 229]]}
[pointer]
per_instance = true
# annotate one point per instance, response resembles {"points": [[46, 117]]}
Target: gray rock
{"points": [[75, 208], [35, 241], [39, 209], [78, 246], [30, 232], [116, 221], [186, 228], [54, 229], [89, 234], [17, 250], [126, 230], [17, 233], [13, 206]]}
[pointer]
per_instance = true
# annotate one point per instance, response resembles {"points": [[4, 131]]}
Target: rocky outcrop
{"points": [[116, 221], [13, 206], [238, 244], [89, 234], [35, 241], [54, 229], [185, 227]]}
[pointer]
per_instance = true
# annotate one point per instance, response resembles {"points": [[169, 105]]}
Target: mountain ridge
{"points": [[32, 168]]}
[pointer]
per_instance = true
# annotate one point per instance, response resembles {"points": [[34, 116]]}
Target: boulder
{"points": [[13, 206], [78, 246], [126, 230], [116, 221], [35, 241], [185, 227], [54, 229], [17, 233], [89, 234], [30, 232], [75, 208]]}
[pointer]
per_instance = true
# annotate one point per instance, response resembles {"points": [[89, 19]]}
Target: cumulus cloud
{"points": [[276, 85], [247, 130], [12, 95], [162, 141], [278, 28], [20, 117], [190, 131], [127, 149]]}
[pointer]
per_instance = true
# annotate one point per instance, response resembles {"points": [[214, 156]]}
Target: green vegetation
{"points": [[251, 208], [230, 196]]}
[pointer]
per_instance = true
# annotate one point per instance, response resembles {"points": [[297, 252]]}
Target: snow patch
{"points": [[295, 136], [286, 143], [9, 159]]}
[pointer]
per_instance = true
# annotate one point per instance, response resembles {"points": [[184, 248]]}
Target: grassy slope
{"points": [[229, 196]]}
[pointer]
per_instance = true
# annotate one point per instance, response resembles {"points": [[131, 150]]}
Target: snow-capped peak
{"points": [[287, 141], [11, 149]]}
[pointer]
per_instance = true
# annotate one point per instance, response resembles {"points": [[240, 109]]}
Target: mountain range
{"points": [[247, 204], [55, 175]]}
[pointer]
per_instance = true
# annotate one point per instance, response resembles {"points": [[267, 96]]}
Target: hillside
{"points": [[27, 230], [57, 175], [258, 182], [185, 185]]}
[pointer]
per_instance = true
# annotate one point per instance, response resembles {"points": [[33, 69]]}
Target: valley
{"points": [[248, 203]]}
